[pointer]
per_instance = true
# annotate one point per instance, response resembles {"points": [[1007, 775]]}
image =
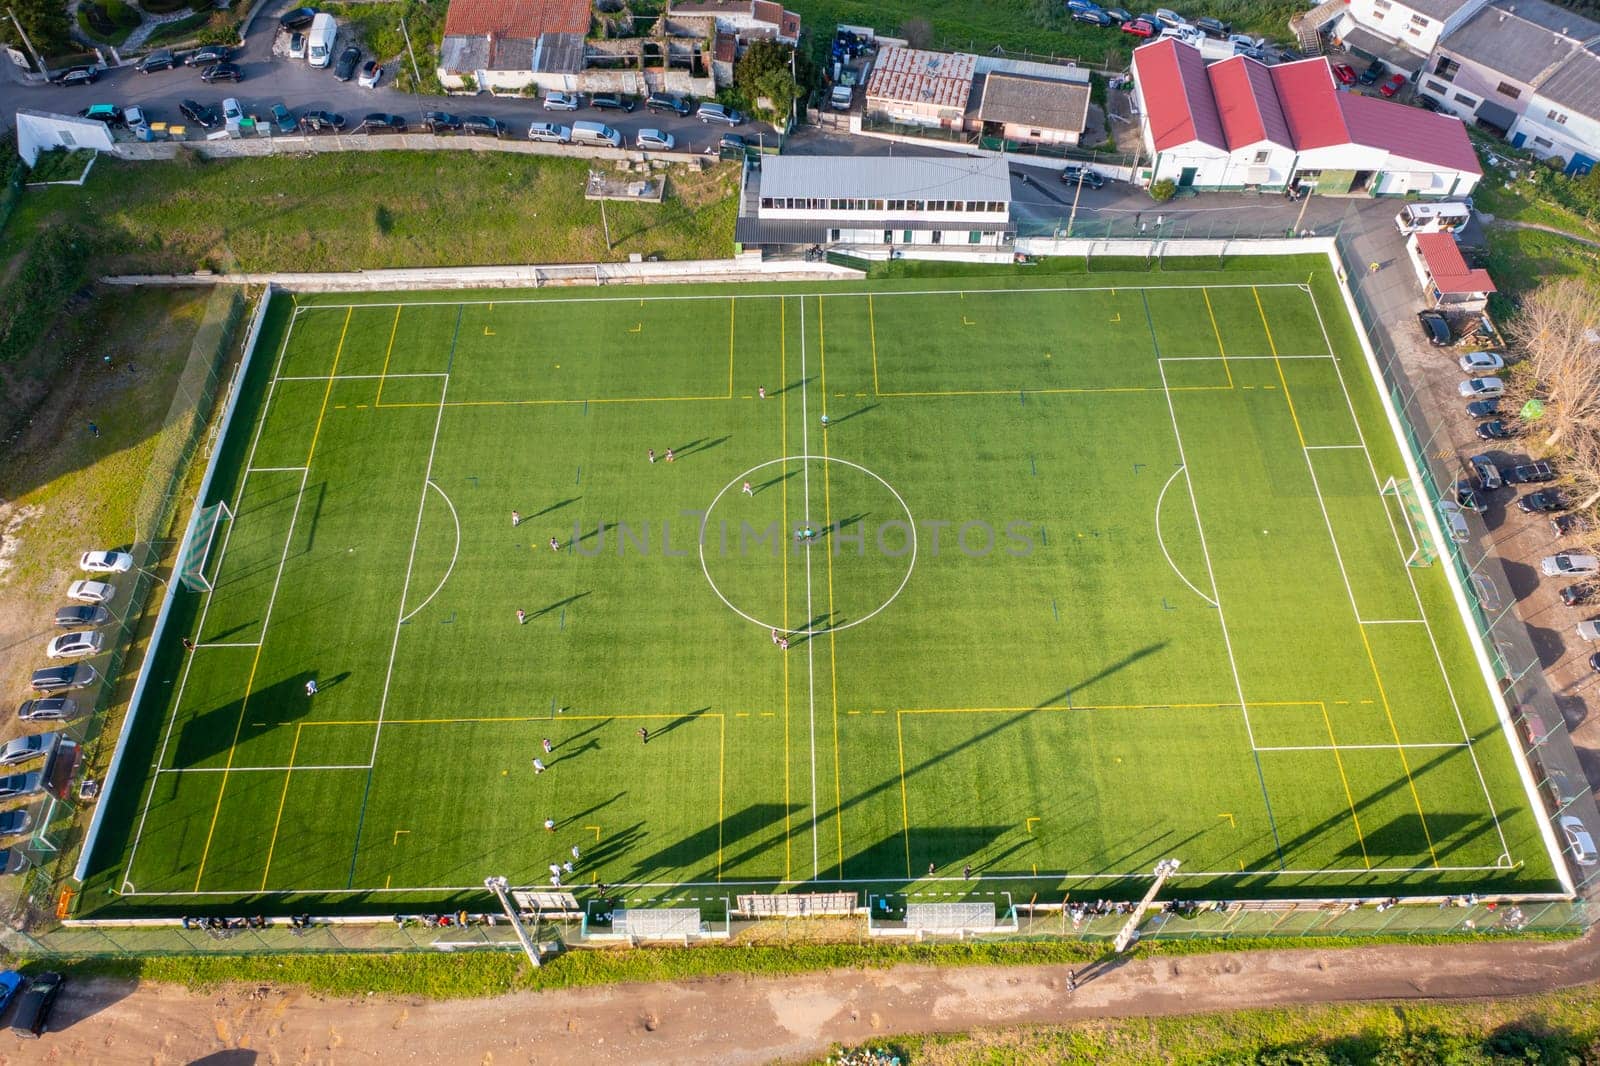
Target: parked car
{"points": [[1119, 14], [382, 122], [611, 102], [33, 1009], [371, 74], [562, 101], [1213, 27], [1481, 362], [205, 57], [349, 59], [232, 113], [1565, 565], [10, 981], [77, 76], [1474, 388], [1530, 473], [1073, 175], [1568, 525], [75, 645], [656, 140], [13, 861], [283, 119], [297, 46], [297, 19], [1168, 17], [483, 126], [48, 709], [157, 60], [732, 142], [1436, 328], [1545, 501], [1483, 408], [1094, 16], [12, 823], [1495, 430], [1373, 72], [203, 115], [1345, 73], [1468, 499], [222, 72], [667, 102], [1454, 521], [17, 785], [110, 114], [81, 616], [1139, 28], [550, 133], [105, 562], [63, 678], [1534, 729], [1392, 86], [1487, 473], [710, 112], [1427, 103], [321, 122], [1579, 842], [441, 122], [1576, 595], [1186, 34], [26, 749], [86, 591]]}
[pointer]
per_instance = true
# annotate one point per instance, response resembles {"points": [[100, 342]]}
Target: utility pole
{"points": [[415, 73], [604, 223], [34, 52], [498, 886], [1164, 869], [1073, 215]]}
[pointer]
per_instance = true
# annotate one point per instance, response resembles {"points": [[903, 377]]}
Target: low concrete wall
{"points": [[745, 268], [297, 144], [1082, 246]]}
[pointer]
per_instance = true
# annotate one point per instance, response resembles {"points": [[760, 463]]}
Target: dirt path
{"points": [[1507, 223], [756, 1020]]}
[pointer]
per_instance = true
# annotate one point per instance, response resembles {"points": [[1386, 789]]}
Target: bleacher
{"points": [[796, 904], [950, 917], [657, 923], [546, 904]]}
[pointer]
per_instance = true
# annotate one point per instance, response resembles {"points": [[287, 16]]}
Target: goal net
{"points": [[1415, 520], [192, 566]]}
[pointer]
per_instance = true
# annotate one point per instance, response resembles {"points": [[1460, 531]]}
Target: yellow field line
{"points": [[1061, 391], [536, 403], [872, 331], [722, 762], [1350, 799], [905, 807], [387, 352], [512, 718], [833, 650], [282, 799], [1108, 707], [783, 449], [244, 703], [1220, 351]]}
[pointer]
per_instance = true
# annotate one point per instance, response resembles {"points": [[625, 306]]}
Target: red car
{"points": [[1393, 85], [1345, 73], [1139, 28]]}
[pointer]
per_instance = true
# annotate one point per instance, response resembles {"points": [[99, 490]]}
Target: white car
{"points": [[105, 562], [1564, 565], [550, 132], [297, 45], [1481, 362], [661, 142], [1482, 388], [1454, 521], [232, 113], [371, 74], [91, 591], [717, 113], [1579, 842], [75, 645], [562, 102]]}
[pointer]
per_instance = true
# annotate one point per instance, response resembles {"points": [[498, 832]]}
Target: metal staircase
{"points": [[1308, 25]]}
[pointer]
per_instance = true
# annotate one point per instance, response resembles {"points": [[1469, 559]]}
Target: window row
{"points": [[803, 203]]}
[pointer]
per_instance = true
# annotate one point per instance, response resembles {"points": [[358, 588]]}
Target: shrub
{"points": [[121, 14], [165, 7], [1163, 190]]}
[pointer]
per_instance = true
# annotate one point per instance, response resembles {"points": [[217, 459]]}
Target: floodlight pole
{"points": [[415, 73], [1164, 869], [498, 886], [31, 49]]}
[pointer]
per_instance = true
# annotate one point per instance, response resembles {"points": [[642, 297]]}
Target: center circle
{"points": [[823, 538]]}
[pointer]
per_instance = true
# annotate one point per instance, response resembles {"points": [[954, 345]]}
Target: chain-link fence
{"points": [[1168, 222]]}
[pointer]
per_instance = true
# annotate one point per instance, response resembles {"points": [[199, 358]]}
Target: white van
{"points": [[595, 133], [319, 42], [1432, 218]]}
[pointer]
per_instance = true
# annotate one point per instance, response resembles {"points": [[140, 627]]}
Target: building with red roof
{"points": [[1241, 124], [1446, 279]]}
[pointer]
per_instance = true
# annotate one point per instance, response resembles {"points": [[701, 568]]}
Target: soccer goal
{"points": [[197, 550], [1416, 522]]}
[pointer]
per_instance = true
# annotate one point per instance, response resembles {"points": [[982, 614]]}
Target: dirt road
{"points": [[756, 1020]]}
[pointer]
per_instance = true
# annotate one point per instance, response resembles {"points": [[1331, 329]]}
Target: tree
{"points": [[769, 70], [1555, 332], [917, 32], [45, 22]]}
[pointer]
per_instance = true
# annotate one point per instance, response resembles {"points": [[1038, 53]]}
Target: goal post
{"points": [[197, 551], [1416, 522]]}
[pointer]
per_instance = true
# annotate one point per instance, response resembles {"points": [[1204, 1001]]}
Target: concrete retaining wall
{"points": [[1082, 246], [297, 144]]}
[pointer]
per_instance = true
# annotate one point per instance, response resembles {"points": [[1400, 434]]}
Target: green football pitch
{"points": [[1101, 571]]}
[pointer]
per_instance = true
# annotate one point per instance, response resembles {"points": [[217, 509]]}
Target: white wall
{"points": [[1579, 135], [38, 132], [1397, 25], [1211, 165]]}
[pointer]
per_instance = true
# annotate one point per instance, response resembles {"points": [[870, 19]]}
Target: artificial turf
{"points": [[1102, 575]]}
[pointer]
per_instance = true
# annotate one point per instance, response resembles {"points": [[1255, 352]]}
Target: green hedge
{"points": [[55, 266], [167, 7]]}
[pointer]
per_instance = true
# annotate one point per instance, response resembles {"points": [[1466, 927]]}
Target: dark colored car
{"points": [[1483, 408], [283, 119], [10, 981], [1467, 497], [203, 115], [222, 72], [1437, 328], [611, 102], [321, 122], [380, 122], [667, 102], [110, 114], [205, 57], [12, 823], [1213, 27], [1531, 473], [483, 126], [1082, 176], [733, 142], [1495, 430], [1374, 71], [82, 616], [1092, 15], [77, 76], [1576, 595], [1546, 501], [1121, 14], [349, 59], [33, 1009], [48, 709], [1567, 525], [298, 19], [1289, 55], [441, 122], [162, 60], [61, 678], [1427, 103]]}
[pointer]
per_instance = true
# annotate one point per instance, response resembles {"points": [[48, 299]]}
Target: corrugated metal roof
{"points": [[1520, 40], [526, 19], [1409, 132], [915, 76], [558, 53], [1036, 102], [1177, 95], [1449, 270], [1576, 83], [1310, 103], [1248, 103], [886, 177], [1396, 54], [464, 53], [1437, 9]]}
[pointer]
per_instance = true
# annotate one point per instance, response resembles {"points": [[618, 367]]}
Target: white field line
{"points": [[1393, 621], [1333, 447], [274, 469], [454, 555], [416, 534], [1162, 540], [205, 608], [811, 666], [1233, 358], [1364, 747], [247, 769], [1216, 596], [1411, 579], [362, 377], [229, 644], [787, 295]]}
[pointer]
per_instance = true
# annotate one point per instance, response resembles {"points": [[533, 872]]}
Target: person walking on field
{"points": [[761, 391], [522, 617], [747, 490], [548, 747], [538, 766], [311, 687], [555, 545], [670, 456], [644, 735], [651, 452], [516, 519]]}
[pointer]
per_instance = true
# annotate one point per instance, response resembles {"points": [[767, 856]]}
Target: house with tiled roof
{"points": [[1448, 282], [506, 44], [747, 20], [1239, 124]]}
